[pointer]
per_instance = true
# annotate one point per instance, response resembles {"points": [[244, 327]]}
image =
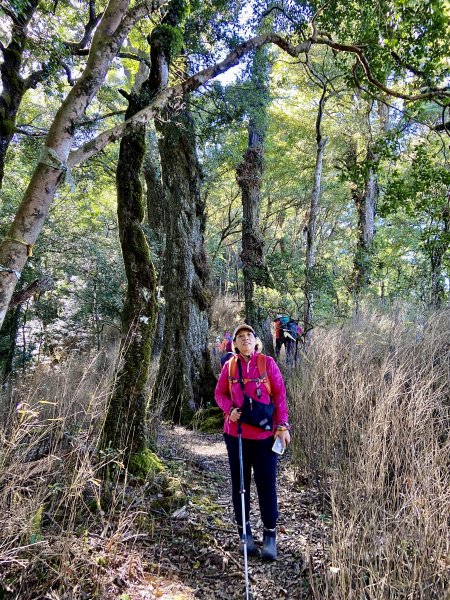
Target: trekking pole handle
{"points": [[238, 411]]}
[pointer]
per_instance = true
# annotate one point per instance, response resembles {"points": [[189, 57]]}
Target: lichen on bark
{"points": [[125, 425], [185, 378]]}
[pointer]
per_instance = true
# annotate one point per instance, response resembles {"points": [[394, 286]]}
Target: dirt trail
{"points": [[194, 550]]}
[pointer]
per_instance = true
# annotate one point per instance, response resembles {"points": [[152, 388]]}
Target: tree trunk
{"points": [[185, 380], [249, 177], [13, 85], [365, 203], [155, 212], [365, 200], [9, 333], [11, 323], [125, 425], [438, 249], [308, 307], [15, 248]]}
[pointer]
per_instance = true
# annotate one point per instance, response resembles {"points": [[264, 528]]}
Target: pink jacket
{"points": [[250, 371]]}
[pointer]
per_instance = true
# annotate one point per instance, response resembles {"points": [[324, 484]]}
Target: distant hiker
{"points": [[228, 353], [216, 346], [280, 330], [290, 339], [249, 386], [298, 340]]}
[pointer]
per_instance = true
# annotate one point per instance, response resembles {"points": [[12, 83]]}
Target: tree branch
{"points": [[197, 80], [129, 55], [406, 65], [35, 287], [88, 30], [68, 73], [100, 118], [35, 77], [353, 49]]}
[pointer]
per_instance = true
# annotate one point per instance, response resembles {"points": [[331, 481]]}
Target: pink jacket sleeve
{"points": [[222, 391], [278, 392]]}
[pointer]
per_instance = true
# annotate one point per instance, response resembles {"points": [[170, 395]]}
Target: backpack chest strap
{"points": [[258, 380], [234, 365]]}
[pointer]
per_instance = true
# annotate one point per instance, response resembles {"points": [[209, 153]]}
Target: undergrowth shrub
{"points": [[370, 404]]}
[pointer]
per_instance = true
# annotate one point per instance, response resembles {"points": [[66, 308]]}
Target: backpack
{"points": [[292, 328], [283, 322], [226, 357], [262, 372]]}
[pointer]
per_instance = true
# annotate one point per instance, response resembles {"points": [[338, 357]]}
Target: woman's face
{"points": [[245, 342]]}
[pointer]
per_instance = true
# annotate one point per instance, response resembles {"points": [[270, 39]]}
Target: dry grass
{"points": [[48, 479], [225, 315], [370, 404], [63, 528]]}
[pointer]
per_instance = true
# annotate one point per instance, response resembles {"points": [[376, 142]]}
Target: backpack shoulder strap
{"points": [[232, 371], [262, 371]]}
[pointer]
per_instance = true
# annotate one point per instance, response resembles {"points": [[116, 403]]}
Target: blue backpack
{"points": [[292, 328], [284, 322]]}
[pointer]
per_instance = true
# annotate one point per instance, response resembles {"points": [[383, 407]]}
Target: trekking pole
{"points": [[244, 521]]}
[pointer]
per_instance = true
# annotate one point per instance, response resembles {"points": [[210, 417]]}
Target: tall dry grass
{"points": [[61, 528], [370, 404]]}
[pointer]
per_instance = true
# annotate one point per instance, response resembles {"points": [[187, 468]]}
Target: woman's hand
{"points": [[235, 415], [284, 435]]}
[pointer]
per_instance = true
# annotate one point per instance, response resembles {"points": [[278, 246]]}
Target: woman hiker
{"points": [[261, 388]]}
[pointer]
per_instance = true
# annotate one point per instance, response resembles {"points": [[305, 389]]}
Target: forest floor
{"points": [[193, 551]]}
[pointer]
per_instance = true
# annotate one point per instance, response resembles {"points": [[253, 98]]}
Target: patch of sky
{"points": [[245, 32]]}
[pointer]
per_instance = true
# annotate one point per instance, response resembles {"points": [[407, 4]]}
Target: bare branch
{"points": [[35, 77], [35, 287], [68, 73], [22, 130], [86, 122]]}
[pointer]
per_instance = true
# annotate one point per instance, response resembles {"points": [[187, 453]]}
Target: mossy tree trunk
{"points": [[166, 42], [125, 425], [155, 211], [13, 85], [185, 379], [249, 175]]}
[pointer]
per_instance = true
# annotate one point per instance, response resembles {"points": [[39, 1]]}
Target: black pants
{"points": [[259, 455], [278, 343], [289, 345]]}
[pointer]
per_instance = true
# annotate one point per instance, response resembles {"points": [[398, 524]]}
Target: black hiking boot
{"points": [[252, 550], [269, 549]]}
